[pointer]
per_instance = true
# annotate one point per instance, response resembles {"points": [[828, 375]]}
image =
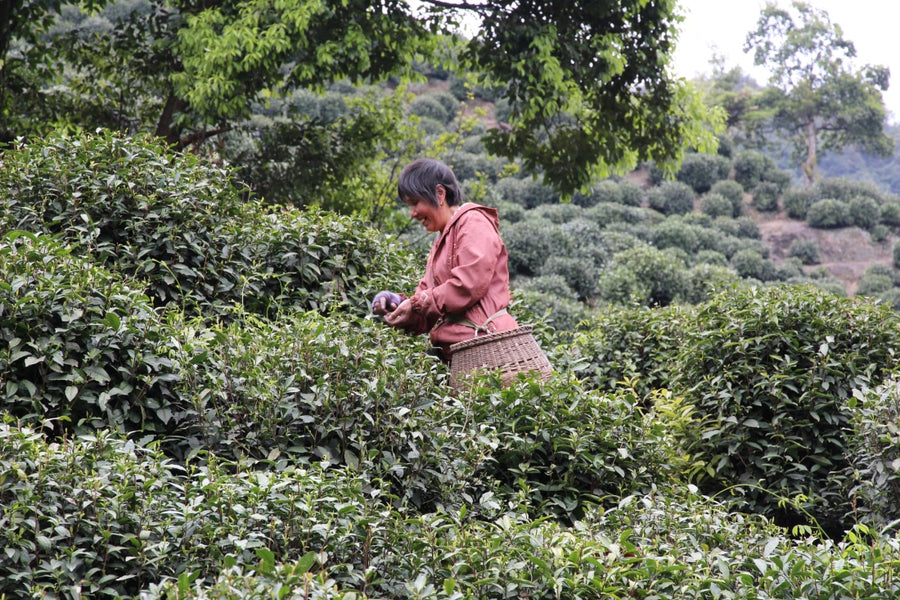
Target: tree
{"points": [[816, 96], [587, 82], [22, 22]]}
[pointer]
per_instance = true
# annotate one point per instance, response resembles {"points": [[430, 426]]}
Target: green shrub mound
{"points": [[102, 517], [84, 348], [771, 371], [187, 228]]}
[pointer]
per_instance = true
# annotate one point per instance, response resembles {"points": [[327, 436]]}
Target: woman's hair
{"points": [[420, 178]]}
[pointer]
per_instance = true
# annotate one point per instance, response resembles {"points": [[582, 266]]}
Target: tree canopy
{"points": [[816, 95], [588, 83]]}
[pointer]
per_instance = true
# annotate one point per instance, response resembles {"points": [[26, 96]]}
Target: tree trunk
{"points": [[809, 165]]}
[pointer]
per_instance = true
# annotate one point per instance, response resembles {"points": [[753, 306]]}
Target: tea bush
{"points": [[806, 250], [579, 273], [643, 275], [829, 214], [671, 198], [102, 517], [732, 190], [873, 446], [845, 189], [84, 347], [764, 196], [889, 214], [634, 345], [716, 205], [864, 212], [797, 200], [183, 226], [772, 370], [702, 171]]}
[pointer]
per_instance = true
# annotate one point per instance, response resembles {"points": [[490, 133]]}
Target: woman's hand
{"points": [[385, 302], [401, 315]]}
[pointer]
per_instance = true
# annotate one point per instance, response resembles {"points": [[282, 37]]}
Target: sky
{"points": [[721, 26]]}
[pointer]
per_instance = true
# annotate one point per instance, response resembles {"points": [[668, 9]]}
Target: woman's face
{"points": [[433, 218]]}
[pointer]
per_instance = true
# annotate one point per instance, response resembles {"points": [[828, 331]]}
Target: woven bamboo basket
{"points": [[511, 352]]}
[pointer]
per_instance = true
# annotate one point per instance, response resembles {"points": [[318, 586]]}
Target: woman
{"points": [[465, 290]]}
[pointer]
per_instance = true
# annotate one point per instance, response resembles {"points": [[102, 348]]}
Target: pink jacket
{"points": [[466, 277]]}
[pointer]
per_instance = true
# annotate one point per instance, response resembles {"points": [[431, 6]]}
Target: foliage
{"points": [[643, 275], [806, 250], [702, 171], [765, 196], [101, 516], [797, 200], [872, 447], [817, 96], [672, 198], [561, 94], [864, 212], [85, 348], [183, 226], [752, 168], [732, 190], [770, 372], [829, 214], [716, 205], [750, 264], [531, 242], [579, 272], [633, 346]]}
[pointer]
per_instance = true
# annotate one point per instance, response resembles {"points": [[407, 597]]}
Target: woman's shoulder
{"points": [[471, 212]]}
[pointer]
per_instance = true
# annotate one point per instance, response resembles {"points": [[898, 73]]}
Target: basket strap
{"points": [[469, 323]]}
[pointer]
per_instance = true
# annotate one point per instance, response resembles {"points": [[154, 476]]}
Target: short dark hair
{"points": [[420, 178]]}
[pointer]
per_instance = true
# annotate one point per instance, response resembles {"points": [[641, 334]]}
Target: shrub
{"points": [[185, 227], [806, 250], [751, 264], [632, 194], [557, 213], [702, 171], [550, 286], [871, 284], [629, 344], [895, 255], [772, 369], [672, 198], [430, 107], [845, 189], [675, 233], [790, 269], [716, 205], [706, 280], [873, 448], [528, 193], [889, 214], [643, 275], [126, 511], [796, 202], [828, 214], [750, 167], [531, 242], [864, 212], [85, 348], [765, 197], [578, 272], [606, 214], [602, 191], [732, 190]]}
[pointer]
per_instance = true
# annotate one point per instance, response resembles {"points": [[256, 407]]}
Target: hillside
{"points": [[845, 252]]}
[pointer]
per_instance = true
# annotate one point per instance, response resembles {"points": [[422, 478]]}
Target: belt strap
{"points": [[469, 323]]}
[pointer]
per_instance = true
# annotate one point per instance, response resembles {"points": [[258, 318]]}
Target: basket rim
{"points": [[491, 337]]}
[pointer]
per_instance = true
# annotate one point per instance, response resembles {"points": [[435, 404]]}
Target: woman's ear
{"points": [[440, 192]]}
